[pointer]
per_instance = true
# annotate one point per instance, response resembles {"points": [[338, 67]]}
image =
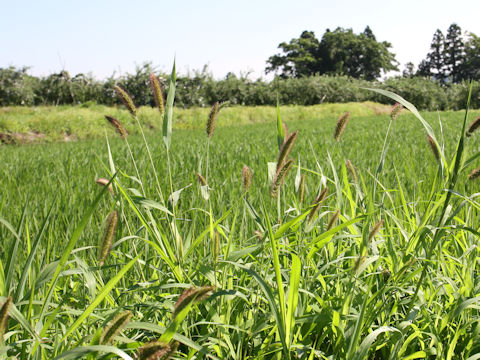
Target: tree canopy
{"points": [[340, 52]]}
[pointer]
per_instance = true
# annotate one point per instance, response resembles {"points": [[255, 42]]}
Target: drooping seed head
{"points": [[201, 180], [280, 178], [104, 182], [106, 241], [157, 350], [358, 263], [212, 118], [434, 147], [396, 110], [374, 230], [341, 125], [157, 93], [126, 99], [193, 294], [4, 312], [114, 327], [285, 149], [475, 174], [301, 188], [285, 131], [246, 178], [118, 126], [317, 204], [351, 170], [473, 126], [333, 220]]}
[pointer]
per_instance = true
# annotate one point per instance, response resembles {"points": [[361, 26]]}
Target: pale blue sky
{"points": [[114, 35]]}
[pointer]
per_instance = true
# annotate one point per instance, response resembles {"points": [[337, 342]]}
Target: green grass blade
{"points": [[295, 275], [168, 115], [82, 351]]}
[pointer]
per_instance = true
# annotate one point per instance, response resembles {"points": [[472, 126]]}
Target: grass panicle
{"points": [[127, 100], [475, 174], [473, 126], [279, 178], [434, 147], [157, 93], [317, 203], [246, 178], [4, 312], [118, 126], [395, 111], [108, 236], [374, 230], [194, 294], [301, 188], [351, 170], [212, 118], [341, 125], [201, 180], [333, 220], [285, 149], [115, 326], [104, 182], [157, 350]]}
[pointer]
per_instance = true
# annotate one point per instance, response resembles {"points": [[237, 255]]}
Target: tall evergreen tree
{"points": [[433, 65], [454, 53], [471, 65]]}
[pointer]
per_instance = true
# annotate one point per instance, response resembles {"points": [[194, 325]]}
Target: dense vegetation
{"points": [[201, 90], [353, 239]]}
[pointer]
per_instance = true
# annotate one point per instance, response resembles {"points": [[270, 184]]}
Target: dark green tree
{"points": [[434, 65], [300, 57], [339, 52], [454, 53], [470, 68], [409, 70]]}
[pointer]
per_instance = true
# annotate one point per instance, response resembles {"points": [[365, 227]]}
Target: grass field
{"points": [[386, 267]]}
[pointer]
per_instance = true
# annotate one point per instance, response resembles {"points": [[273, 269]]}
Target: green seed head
{"points": [[126, 99], [341, 125], [157, 93], [193, 294], [108, 235], [157, 350], [280, 178], [285, 149], [212, 118], [246, 178], [115, 326]]}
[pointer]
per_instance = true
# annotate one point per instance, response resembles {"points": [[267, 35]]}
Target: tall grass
{"points": [[382, 265]]}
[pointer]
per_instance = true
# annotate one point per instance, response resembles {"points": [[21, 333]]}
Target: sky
{"points": [[103, 37]]}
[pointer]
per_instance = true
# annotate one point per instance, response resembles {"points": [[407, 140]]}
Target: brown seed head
{"points": [[434, 147], [157, 350], [280, 178], [106, 241], [475, 174], [212, 118], [333, 220], [341, 125], [4, 311], [396, 110], [118, 126], [115, 326], [246, 178], [374, 230], [201, 180], [285, 149], [473, 126], [351, 170], [104, 182], [193, 294], [157, 93], [317, 204], [126, 99]]}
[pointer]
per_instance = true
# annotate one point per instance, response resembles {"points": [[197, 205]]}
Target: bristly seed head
{"points": [[157, 350], [351, 170], [396, 110], [202, 181], [157, 93], [246, 178], [193, 294], [473, 126], [4, 312], [118, 126], [341, 125], [333, 220], [301, 188], [434, 147], [108, 236], [317, 204], [285, 149], [212, 118], [280, 178], [126, 99], [115, 326], [104, 182], [374, 230], [475, 174]]}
